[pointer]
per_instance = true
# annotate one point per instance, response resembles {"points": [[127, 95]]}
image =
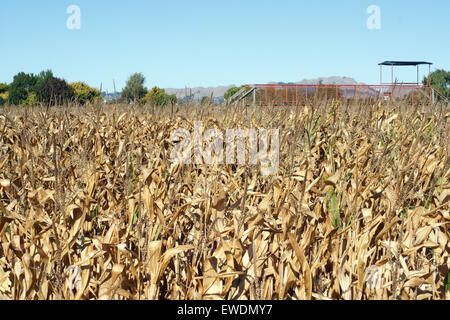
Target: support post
{"points": [[417, 74], [429, 74], [381, 74], [392, 74]]}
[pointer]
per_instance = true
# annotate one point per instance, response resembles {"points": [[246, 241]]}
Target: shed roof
{"points": [[403, 63]]}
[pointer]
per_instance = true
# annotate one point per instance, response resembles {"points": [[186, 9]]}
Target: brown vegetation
{"points": [[92, 208]]}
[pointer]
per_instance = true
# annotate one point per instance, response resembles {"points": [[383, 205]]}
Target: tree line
{"points": [[28, 89]]}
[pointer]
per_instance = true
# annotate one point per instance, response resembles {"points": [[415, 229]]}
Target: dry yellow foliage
{"points": [[92, 208]]}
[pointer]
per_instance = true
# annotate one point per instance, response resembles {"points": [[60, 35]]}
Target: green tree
{"points": [[23, 84], [134, 89], [54, 91], [84, 93], [440, 81], [159, 97], [44, 76]]}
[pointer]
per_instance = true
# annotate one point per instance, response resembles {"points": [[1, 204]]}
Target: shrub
{"points": [[84, 93], [31, 100], [159, 97], [4, 88], [3, 93]]}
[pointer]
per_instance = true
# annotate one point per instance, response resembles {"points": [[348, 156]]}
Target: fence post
{"points": [[287, 95]]}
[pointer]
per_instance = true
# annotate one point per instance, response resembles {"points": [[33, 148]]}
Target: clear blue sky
{"points": [[208, 43]]}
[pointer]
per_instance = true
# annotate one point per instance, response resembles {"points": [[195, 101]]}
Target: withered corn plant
{"points": [[91, 206]]}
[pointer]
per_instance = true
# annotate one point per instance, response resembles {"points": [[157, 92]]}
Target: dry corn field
{"points": [[92, 207]]}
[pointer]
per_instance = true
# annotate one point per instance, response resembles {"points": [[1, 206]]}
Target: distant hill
{"points": [[197, 93], [330, 80], [323, 80]]}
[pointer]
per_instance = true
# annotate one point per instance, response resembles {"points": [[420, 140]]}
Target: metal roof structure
{"points": [[403, 63], [278, 94], [393, 64]]}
